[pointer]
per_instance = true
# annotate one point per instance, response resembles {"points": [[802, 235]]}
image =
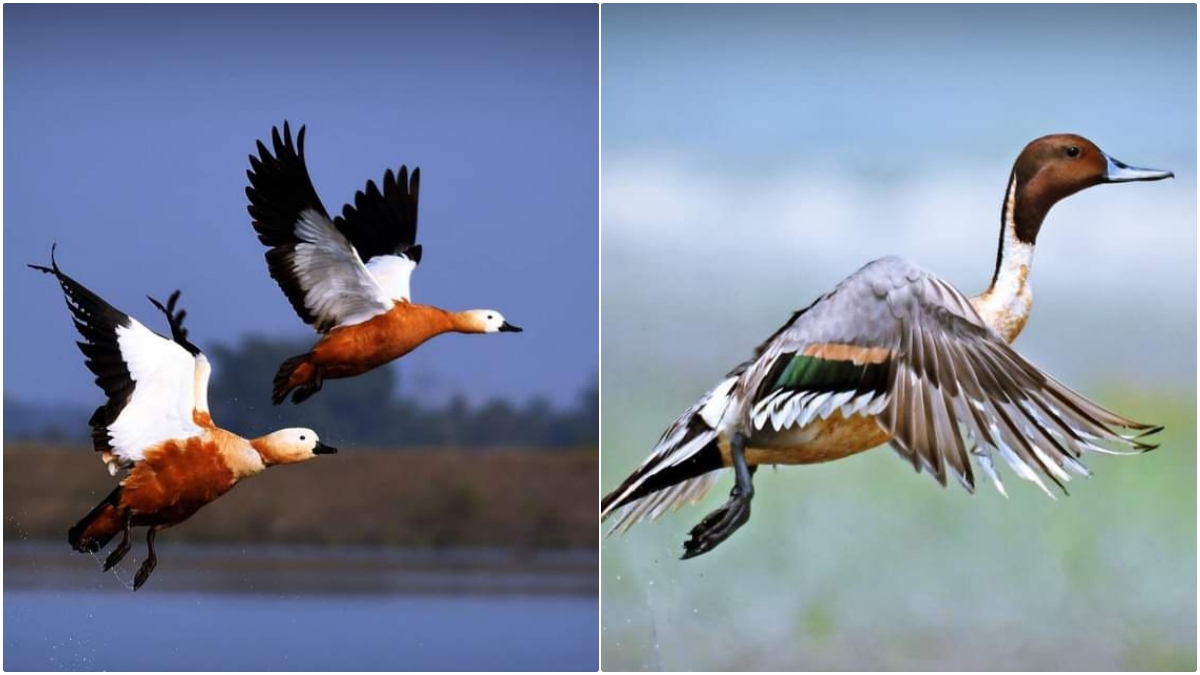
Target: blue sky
{"points": [[127, 132]]}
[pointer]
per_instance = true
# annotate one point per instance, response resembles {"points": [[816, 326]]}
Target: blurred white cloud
{"points": [[691, 247]]}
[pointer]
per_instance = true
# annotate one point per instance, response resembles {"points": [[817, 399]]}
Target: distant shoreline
{"points": [[275, 569], [427, 498]]}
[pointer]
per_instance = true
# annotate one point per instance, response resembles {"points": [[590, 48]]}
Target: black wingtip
{"points": [[414, 185], [53, 269], [175, 321]]}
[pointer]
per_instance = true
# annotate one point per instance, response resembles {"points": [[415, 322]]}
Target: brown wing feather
{"points": [[953, 377]]}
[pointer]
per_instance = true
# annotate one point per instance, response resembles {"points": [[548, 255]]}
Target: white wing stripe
{"points": [[717, 403], [200, 382]]}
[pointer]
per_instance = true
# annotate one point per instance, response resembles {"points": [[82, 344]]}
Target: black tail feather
{"points": [[705, 460], [75, 534]]}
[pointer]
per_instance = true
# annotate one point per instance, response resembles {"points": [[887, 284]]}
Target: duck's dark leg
{"points": [[147, 567], [718, 525], [122, 548], [313, 386]]}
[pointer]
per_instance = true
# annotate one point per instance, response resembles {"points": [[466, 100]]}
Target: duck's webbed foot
{"points": [[304, 391], [122, 548], [147, 567], [720, 524]]}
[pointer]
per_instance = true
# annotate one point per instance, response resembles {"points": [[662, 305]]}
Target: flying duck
{"points": [[156, 426], [347, 277], [895, 354]]}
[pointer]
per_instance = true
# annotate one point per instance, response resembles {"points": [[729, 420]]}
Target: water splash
{"points": [[127, 583]]}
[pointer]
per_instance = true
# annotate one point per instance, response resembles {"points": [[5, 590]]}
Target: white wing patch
{"points": [[716, 403], [338, 288], [392, 273], [160, 409]]}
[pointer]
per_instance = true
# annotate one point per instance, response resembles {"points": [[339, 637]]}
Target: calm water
{"points": [[68, 616]]}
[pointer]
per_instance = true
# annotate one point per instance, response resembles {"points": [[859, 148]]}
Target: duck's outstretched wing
{"points": [[150, 380], [314, 263], [899, 343], [382, 227], [202, 371]]}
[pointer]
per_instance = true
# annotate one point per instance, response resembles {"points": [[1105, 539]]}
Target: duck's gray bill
{"points": [[1120, 172], [323, 449], [507, 327]]}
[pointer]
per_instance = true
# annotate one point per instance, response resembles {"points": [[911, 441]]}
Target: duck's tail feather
{"points": [[646, 496], [680, 471], [99, 526]]}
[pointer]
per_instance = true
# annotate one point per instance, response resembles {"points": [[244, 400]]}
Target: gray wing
{"points": [[896, 341]]}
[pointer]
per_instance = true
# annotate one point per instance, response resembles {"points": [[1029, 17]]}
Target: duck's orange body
{"points": [[156, 425], [347, 277], [174, 481], [353, 350]]}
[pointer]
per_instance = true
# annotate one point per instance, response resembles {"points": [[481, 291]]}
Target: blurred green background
{"points": [[755, 156], [863, 564]]}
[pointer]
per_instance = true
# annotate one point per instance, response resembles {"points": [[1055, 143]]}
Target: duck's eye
{"points": [[489, 317], [1073, 151], [301, 437]]}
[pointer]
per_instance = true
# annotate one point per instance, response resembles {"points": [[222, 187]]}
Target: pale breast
{"points": [[1006, 307], [237, 453]]}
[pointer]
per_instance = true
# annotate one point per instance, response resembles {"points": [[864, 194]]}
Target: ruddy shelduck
{"points": [[895, 354], [348, 277], [156, 427]]}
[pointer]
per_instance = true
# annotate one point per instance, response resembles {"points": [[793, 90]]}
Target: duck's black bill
{"points": [[1120, 172], [323, 449], [507, 327]]}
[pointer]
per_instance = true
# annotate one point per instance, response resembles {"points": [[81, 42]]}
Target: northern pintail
{"points": [[894, 354]]}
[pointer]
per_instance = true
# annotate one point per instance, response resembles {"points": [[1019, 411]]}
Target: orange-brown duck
{"points": [[347, 277], [156, 427]]}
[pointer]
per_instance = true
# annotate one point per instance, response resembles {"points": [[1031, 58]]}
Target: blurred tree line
{"points": [[361, 411]]}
